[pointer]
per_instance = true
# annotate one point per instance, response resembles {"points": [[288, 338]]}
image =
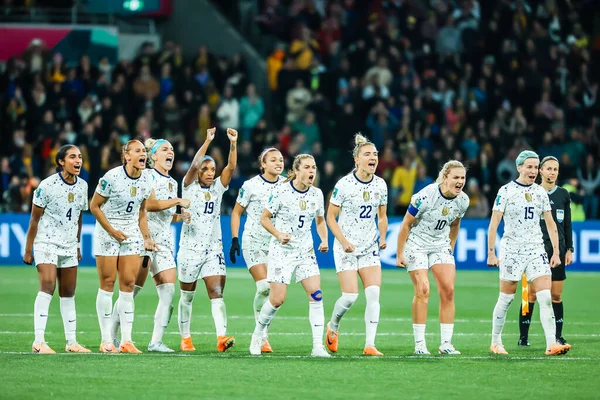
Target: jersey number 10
{"points": [[441, 224]]}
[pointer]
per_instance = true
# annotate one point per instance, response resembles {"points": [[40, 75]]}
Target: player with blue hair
{"points": [[201, 246], [522, 203]]}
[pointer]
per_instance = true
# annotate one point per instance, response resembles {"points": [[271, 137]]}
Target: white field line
{"points": [[335, 357], [289, 318], [271, 334]]}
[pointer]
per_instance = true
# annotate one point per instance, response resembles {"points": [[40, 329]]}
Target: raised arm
{"points": [[154, 205], [232, 160], [492, 260], [36, 214], [192, 172]]}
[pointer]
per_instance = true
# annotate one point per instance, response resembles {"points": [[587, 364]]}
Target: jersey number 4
{"points": [[69, 213]]}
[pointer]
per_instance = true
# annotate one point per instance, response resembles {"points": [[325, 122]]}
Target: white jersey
{"points": [[124, 195], [253, 196], [62, 203], [159, 223], [359, 202], [294, 213], [522, 207], [203, 233], [434, 213]]}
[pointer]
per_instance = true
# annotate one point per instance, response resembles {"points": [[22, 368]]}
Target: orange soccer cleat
{"points": [[558, 349], [76, 348], [372, 351], [498, 349], [224, 343], [42, 348], [129, 347], [266, 347], [332, 340], [186, 344], [108, 348]]}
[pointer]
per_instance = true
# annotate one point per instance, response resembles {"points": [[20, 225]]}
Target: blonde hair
{"points": [[359, 142], [125, 149], [149, 144], [296, 166], [446, 169]]}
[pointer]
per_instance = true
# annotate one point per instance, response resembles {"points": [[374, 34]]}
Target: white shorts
{"points": [[106, 245], [43, 257], [355, 261], [160, 260], [194, 265], [283, 264], [419, 259], [531, 263], [255, 252]]}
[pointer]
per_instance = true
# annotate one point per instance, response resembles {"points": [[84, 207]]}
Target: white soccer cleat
{"points": [[160, 347], [319, 351], [421, 349], [256, 345], [448, 348]]}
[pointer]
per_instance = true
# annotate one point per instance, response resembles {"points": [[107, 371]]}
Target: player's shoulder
{"points": [[379, 181], [463, 198], [430, 190], [50, 181], [315, 191], [82, 183], [507, 187]]}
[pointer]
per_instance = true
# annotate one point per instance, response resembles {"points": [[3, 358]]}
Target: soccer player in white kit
{"points": [[53, 239], [522, 203], [161, 206], [295, 203], [358, 198], [426, 241], [201, 246], [119, 206], [252, 198]]}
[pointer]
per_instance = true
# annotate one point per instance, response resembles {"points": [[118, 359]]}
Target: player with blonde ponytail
{"points": [[426, 241], [161, 206], [358, 199]]}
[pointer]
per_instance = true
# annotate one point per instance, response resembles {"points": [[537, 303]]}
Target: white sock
{"points": [[166, 291], [499, 316], [341, 307], [104, 311], [126, 310], [265, 317], [419, 334], [40, 315], [316, 316], [116, 318], [262, 294], [372, 314], [544, 299], [219, 314], [185, 312], [67, 310], [446, 331]]}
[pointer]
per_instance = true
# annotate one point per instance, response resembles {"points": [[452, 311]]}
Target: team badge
{"points": [[170, 186], [366, 196], [335, 192], [528, 197], [560, 215], [133, 191], [445, 211], [71, 197], [207, 196], [302, 205]]}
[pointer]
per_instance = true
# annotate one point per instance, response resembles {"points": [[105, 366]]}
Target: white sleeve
{"points": [[383, 200], [244, 195], [419, 203], [220, 187], [464, 205], [501, 200], [321, 204], [337, 198], [84, 199], [274, 202], [545, 201], [105, 185], [41, 197]]}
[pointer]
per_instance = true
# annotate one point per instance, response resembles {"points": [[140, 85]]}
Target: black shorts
{"points": [[559, 273]]}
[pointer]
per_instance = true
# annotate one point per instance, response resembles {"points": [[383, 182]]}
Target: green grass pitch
{"points": [[289, 372]]}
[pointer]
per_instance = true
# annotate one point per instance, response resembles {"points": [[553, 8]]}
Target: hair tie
{"points": [[157, 145]]}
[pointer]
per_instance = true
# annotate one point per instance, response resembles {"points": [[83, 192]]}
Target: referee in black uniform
{"points": [[560, 201]]}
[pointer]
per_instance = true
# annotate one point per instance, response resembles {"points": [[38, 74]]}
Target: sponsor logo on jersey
{"points": [[560, 215], [528, 197], [71, 197], [302, 205], [366, 196], [445, 211], [133, 191], [207, 196]]}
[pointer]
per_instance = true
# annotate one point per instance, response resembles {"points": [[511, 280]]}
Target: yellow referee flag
{"points": [[524, 295]]}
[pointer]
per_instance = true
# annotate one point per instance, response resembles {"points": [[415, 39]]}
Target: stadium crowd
{"points": [[454, 80]]}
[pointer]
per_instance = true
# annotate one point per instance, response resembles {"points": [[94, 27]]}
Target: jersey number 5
{"points": [[301, 221]]}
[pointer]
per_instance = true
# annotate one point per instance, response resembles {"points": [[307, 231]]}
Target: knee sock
{"points": [[371, 314], [40, 315], [67, 311], [499, 316], [341, 307], [166, 291], [185, 312]]}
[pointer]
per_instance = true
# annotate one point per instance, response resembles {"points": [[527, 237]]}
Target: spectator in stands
{"points": [[251, 111], [589, 177]]}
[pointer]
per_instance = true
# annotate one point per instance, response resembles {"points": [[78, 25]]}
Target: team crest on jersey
{"points": [[335, 192], [302, 205], [71, 197], [133, 191], [366, 196], [207, 196], [445, 211], [528, 197]]}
